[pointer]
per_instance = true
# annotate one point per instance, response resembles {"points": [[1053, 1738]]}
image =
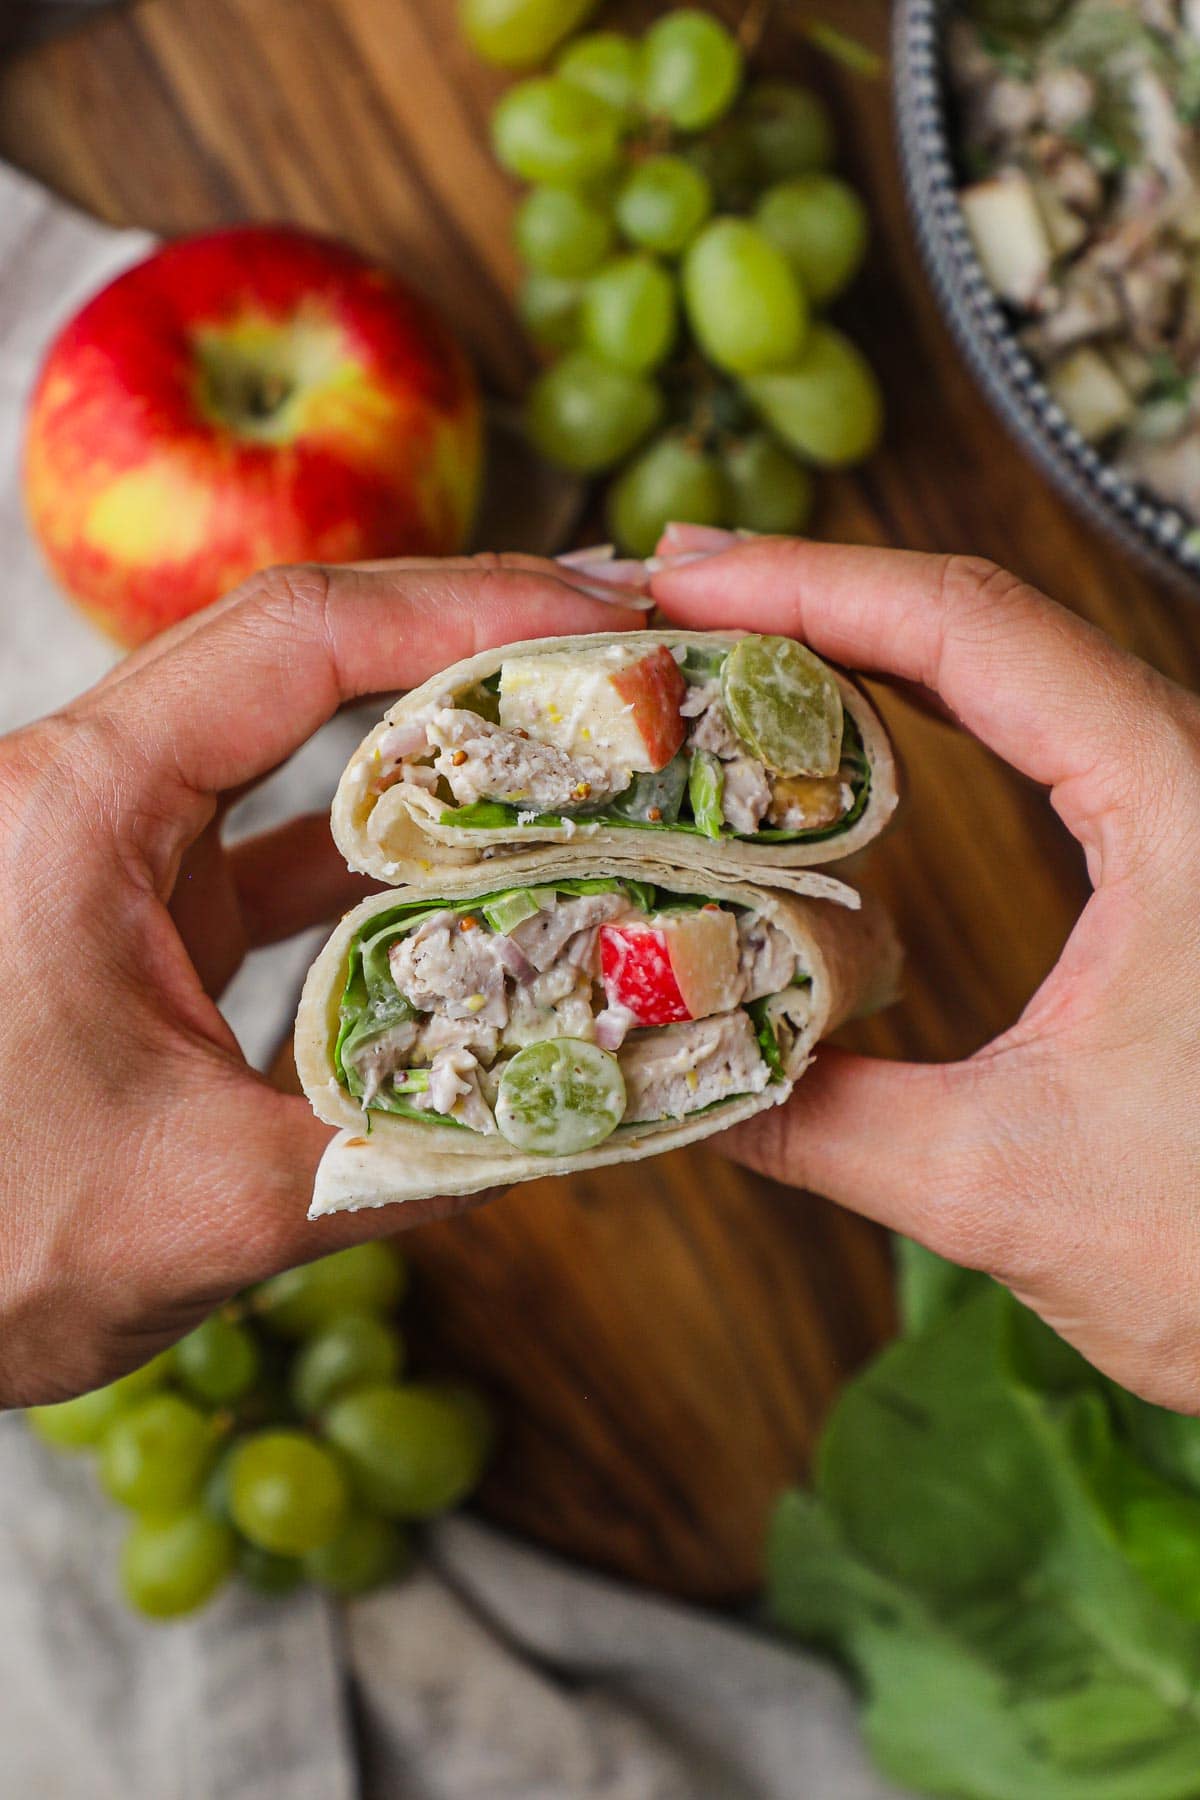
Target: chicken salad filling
{"points": [[558, 1014], [749, 741]]}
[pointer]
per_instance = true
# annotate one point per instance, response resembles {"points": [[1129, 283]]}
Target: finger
{"points": [[1039, 685], [290, 878]]}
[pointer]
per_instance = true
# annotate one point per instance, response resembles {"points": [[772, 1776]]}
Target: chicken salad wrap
{"points": [[464, 1034], [727, 751]]}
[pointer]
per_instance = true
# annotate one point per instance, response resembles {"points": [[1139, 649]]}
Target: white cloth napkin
{"points": [[494, 1673]]}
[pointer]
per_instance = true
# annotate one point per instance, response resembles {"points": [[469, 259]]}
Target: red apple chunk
{"points": [[638, 975], [683, 966], [655, 688]]}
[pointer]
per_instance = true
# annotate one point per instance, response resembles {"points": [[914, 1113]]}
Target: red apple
{"points": [[249, 397]]}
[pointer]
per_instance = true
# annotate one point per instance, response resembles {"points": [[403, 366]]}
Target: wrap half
{"points": [[465, 1035], [663, 743]]}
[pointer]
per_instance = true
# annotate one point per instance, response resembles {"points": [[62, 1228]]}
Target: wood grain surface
{"points": [[664, 1343]]}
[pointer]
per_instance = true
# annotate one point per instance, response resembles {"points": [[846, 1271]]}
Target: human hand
{"points": [[1063, 1157], [148, 1171]]}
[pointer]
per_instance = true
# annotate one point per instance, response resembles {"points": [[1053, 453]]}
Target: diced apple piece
{"points": [[618, 704], [1009, 234], [705, 959], [638, 975], [1091, 394]]}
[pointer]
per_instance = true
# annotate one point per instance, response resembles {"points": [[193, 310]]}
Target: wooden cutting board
{"points": [[664, 1342]]}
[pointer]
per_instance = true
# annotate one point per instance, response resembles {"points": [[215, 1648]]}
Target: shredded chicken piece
{"points": [[482, 761], [678, 1069]]}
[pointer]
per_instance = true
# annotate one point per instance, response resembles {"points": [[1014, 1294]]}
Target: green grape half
{"points": [[549, 307], [671, 478], [366, 1552], [412, 1451], [350, 1352], [629, 314], [218, 1362], [788, 128], [663, 204], [585, 415], [81, 1423], [155, 1456], [605, 64], [560, 1096], [547, 130], [691, 69], [826, 406], [173, 1566], [287, 1493], [559, 231], [769, 491], [820, 224], [274, 1576], [784, 705], [517, 34], [744, 304], [365, 1278]]}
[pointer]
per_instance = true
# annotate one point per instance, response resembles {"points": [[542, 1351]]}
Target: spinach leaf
{"points": [[706, 785], [661, 793]]}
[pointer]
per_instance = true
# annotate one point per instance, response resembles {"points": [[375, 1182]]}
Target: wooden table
{"points": [[664, 1344]]}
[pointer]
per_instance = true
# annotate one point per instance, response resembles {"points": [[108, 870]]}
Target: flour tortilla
{"points": [[398, 837], [851, 956]]}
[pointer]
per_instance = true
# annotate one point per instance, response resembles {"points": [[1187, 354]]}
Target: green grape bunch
{"points": [[279, 1443], [682, 235]]}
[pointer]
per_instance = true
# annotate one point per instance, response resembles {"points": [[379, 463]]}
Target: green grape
{"points": [[691, 69], [80, 1424], [548, 307], [215, 1494], [586, 416], [669, 479], [558, 231], [726, 161], [629, 314], [820, 224], [412, 1451], [350, 1352], [827, 406], [274, 1576], [172, 1566], [546, 130], [769, 491], [784, 705], [218, 1362], [604, 63], [155, 1456], [745, 305], [287, 1493], [517, 34], [663, 204], [788, 128], [366, 1552], [560, 1096], [365, 1278]]}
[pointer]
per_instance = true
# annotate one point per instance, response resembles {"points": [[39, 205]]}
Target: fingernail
{"points": [[614, 571], [592, 554], [699, 537], [615, 596], [657, 564]]}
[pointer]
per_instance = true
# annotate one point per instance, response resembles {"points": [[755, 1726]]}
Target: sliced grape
{"points": [[605, 64], [585, 415], [287, 1493], [412, 1451], [745, 305], [549, 307], [547, 130], [81, 1423], [351, 1352], [218, 1362], [155, 1456], [820, 224], [365, 1278], [691, 69], [366, 1552], [559, 231], [769, 491], [789, 129], [663, 204], [274, 1576], [517, 34], [173, 1566], [672, 478], [826, 406], [784, 705], [629, 314], [559, 1097]]}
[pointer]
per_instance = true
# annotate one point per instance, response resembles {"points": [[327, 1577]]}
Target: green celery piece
{"points": [[768, 1043], [416, 1081], [706, 784], [510, 910]]}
